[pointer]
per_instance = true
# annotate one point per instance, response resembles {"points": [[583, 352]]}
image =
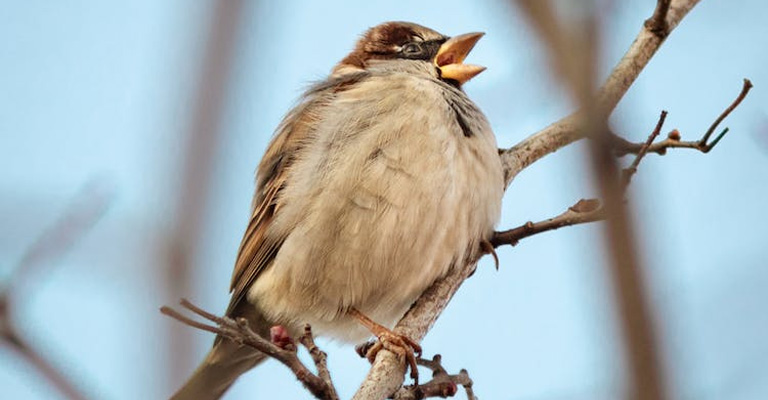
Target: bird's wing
{"points": [[261, 242]]}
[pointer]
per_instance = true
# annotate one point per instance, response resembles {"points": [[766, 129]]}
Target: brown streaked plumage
{"points": [[382, 178], [258, 247]]}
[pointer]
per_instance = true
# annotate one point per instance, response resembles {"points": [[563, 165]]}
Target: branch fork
{"points": [[441, 385], [623, 147]]}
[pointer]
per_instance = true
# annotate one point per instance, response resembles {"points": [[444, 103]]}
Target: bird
{"points": [[381, 179]]}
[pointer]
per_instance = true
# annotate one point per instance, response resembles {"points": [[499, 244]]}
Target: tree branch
{"points": [[442, 384], [658, 21], [584, 211], [282, 349], [624, 74], [623, 147], [320, 359], [203, 135]]}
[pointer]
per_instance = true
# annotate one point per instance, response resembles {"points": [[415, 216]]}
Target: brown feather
{"points": [[382, 41], [260, 245]]}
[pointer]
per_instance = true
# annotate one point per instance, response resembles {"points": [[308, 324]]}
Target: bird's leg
{"points": [[279, 336], [401, 345]]}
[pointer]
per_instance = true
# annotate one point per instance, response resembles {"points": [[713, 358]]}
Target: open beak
{"points": [[452, 53]]}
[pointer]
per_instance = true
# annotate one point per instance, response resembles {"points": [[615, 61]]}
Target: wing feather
{"points": [[261, 242]]}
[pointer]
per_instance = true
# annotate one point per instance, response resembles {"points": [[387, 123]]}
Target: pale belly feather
{"points": [[380, 222]]}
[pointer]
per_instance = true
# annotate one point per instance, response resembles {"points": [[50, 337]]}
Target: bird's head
{"points": [[392, 41]]}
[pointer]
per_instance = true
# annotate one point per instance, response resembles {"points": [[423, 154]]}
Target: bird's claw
{"points": [[402, 346]]}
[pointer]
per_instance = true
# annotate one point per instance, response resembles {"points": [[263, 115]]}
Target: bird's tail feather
{"points": [[222, 366]]}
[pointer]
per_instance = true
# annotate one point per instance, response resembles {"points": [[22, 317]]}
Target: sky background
{"points": [[97, 97]]}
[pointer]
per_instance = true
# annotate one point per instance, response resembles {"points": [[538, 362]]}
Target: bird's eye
{"points": [[412, 49]]}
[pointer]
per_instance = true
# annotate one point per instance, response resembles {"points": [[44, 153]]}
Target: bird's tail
{"points": [[225, 362]]}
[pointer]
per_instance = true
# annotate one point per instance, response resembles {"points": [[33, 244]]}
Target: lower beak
{"points": [[452, 53]]}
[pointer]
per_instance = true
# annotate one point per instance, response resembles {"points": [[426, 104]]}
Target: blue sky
{"points": [[98, 92]]}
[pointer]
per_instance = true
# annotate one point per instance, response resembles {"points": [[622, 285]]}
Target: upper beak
{"points": [[451, 54]]}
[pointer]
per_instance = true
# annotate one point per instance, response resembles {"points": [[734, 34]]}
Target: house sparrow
{"points": [[384, 177]]}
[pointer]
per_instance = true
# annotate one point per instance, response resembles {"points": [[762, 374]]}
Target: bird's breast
{"points": [[389, 195]]}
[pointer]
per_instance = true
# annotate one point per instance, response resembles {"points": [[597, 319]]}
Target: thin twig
{"points": [[658, 21], [623, 147], [239, 331], [319, 357], [744, 90], [188, 321], [584, 211], [630, 171], [469, 386], [441, 385]]}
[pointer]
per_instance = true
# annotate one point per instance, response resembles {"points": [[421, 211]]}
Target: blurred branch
{"points": [[38, 361], [83, 212], [635, 315], [281, 348], [203, 139], [81, 215]]}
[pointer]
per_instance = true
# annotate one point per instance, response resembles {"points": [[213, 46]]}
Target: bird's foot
{"points": [[402, 346], [279, 336]]}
